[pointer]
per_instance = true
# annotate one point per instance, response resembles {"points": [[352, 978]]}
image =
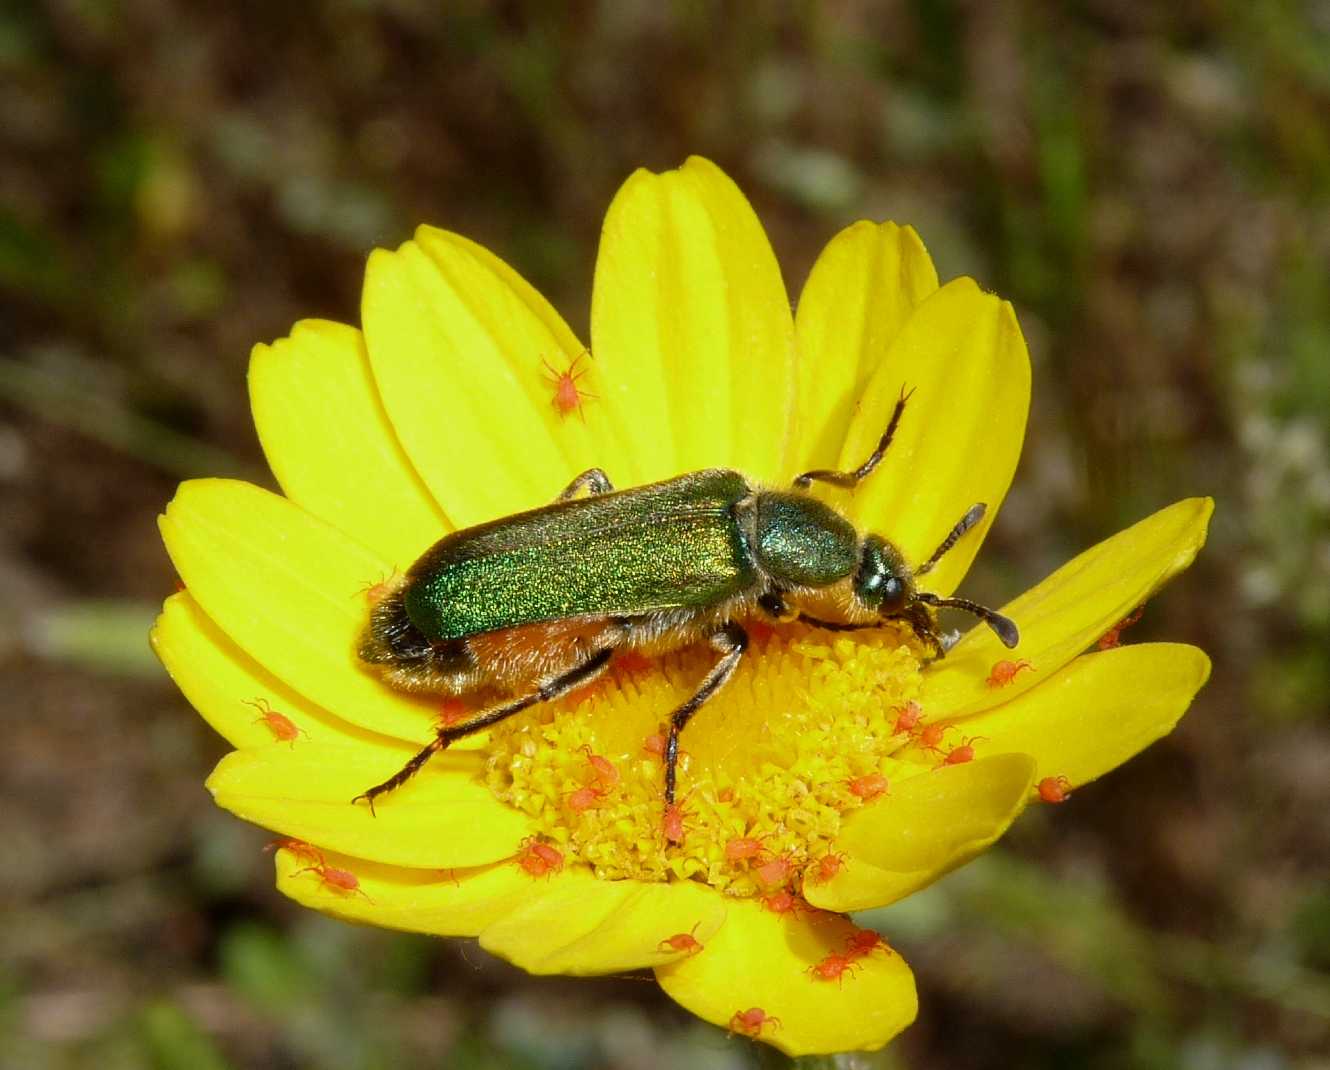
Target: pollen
{"points": [[764, 764]]}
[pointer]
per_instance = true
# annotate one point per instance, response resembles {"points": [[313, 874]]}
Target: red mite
{"points": [[584, 798], [963, 752], [868, 787], [685, 942], [1113, 637], [833, 968], [673, 822], [827, 867], [280, 725], [305, 852], [339, 880], [602, 769], [742, 848], [864, 942], [907, 718], [931, 735], [539, 859], [776, 872], [1003, 672], [1054, 789], [374, 592], [568, 396], [751, 1021], [655, 745], [782, 902]]}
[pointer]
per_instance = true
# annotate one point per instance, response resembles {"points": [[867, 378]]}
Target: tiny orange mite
{"points": [[654, 745], [742, 848], [782, 902], [342, 881], [907, 718], [1003, 672], [963, 751], [584, 798], [751, 1021], [833, 968], [826, 868], [868, 787], [1054, 789], [283, 729], [1113, 637], [929, 737], [672, 823], [568, 396], [602, 768], [775, 873], [863, 942], [305, 852], [374, 592], [539, 859], [685, 942]]}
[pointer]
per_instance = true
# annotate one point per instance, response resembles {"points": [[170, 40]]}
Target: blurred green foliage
{"points": [[1150, 184]]}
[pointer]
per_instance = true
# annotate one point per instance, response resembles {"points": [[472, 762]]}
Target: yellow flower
{"points": [[834, 773]]}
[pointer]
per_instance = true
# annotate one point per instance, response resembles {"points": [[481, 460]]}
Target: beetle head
{"points": [[882, 583], [885, 585]]}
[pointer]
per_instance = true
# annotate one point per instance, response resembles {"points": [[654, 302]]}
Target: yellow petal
{"points": [[458, 342], [927, 826], [577, 924], [1069, 610], [329, 443], [691, 327], [862, 289], [288, 590], [760, 959], [1098, 711], [448, 902], [957, 444], [222, 682], [443, 816]]}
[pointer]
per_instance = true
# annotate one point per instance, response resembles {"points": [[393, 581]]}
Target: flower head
{"points": [[835, 771]]}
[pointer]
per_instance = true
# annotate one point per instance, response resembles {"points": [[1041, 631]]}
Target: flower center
{"points": [[803, 732]]}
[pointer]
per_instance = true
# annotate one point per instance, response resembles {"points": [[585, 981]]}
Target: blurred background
{"points": [[1149, 183]]}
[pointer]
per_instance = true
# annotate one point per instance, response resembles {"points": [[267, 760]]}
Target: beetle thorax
{"points": [[797, 541]]}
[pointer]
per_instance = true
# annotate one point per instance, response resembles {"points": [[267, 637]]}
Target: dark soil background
{"points": [[1149, 183]]}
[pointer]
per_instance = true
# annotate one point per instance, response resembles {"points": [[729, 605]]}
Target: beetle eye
{"points": [[893, 596]]}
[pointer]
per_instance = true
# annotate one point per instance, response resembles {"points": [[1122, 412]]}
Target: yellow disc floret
{"points": [[803, 732]]}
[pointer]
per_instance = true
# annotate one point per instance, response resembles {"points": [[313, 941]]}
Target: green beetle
{"points": [[535, 605]]}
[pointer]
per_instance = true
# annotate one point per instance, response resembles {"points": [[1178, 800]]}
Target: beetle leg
{"points": [[852, 479], [922, 624], [594, 479], [560, 685], [730, 640]]}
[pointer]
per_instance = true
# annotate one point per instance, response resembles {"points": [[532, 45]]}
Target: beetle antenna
{"points": [[1003, 627], [972, 516], [854, 478]]}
